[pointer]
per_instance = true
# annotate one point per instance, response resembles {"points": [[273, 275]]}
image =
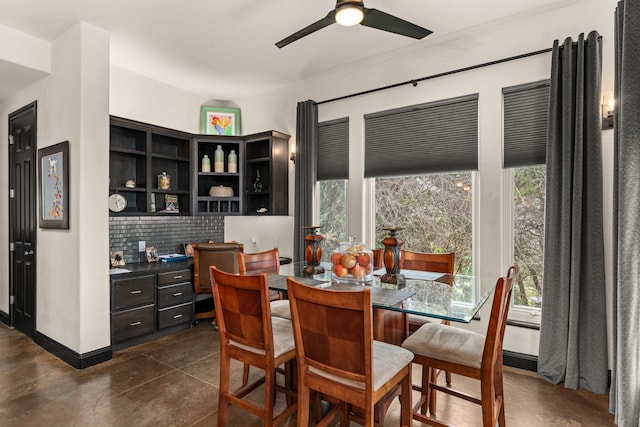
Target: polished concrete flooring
{"points": [[173, 381]]}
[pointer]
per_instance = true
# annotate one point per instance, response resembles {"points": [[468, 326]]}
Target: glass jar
{"points": [[164, 181], [351, 262]]}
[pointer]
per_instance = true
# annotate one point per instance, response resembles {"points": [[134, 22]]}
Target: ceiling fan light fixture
{"points": [[349, 14]]}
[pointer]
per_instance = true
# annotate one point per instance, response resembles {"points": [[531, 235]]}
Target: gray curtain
{"points": [[573, 332], [625, 389], [306, 172]]}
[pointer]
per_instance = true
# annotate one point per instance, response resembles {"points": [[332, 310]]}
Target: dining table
{"points": [[457, 298]]}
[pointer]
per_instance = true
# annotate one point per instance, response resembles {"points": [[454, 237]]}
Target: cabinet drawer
{"points": [[132, 323], [174, 277], [174, 294], [174, 315], [132, 292]]}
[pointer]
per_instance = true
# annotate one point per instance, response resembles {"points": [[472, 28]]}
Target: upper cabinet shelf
{"points": [[142, 153]]}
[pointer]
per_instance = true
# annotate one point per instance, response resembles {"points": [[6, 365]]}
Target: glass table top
{"points": [[456, 298]]}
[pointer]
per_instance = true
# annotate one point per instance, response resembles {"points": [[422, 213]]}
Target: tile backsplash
{"points": [[166, 233]]}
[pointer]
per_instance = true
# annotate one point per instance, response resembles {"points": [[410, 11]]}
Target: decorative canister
{"points": [[351, 262], [164, 181], [233, 162], [220, 191], [218, 160], [206, 163]]}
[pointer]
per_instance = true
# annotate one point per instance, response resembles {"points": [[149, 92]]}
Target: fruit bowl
{"points": [[352, 263]]}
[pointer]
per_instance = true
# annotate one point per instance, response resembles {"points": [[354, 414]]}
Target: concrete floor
{"points": [[173, 381]]}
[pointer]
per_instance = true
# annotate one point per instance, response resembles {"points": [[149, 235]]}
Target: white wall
{"points": [[261, 233], [72, 272]]}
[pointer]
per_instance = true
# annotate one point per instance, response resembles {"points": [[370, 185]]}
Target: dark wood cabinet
{"points": [[140, 153], [203, 201], [267, 176], [150, 301]]}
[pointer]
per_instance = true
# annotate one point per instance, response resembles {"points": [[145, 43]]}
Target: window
{"points": [[435, 212], [528, 234], [333, 214]]}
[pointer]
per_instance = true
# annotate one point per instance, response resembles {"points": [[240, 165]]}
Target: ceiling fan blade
{"points": [[318, 25], [383, 21]]}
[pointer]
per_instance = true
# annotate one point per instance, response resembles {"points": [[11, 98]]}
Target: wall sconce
{"points": [[607, 113], [293, 154]]}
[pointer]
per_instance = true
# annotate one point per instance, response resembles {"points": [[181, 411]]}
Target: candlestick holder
{"points": [[392, 257], [313, 250]]}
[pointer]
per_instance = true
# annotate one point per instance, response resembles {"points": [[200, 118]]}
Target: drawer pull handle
{"points": [[178, 277], [135, 324], [177, 316], [135, 292], [177, 294]]}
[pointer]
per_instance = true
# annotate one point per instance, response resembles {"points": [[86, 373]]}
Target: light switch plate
{"points": [[142, 245]]}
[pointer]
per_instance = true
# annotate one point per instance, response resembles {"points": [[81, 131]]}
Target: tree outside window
{"points": [[333, 215]]}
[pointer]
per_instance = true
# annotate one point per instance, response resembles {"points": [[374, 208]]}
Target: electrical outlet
{"points": [[142, 245]]}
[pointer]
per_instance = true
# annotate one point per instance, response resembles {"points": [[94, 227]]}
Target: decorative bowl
{"points": [[221, 191], [352, 263]]}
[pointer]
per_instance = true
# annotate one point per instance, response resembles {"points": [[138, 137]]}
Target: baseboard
{"points": [[4, 318], [520, 360], [78, 361]]}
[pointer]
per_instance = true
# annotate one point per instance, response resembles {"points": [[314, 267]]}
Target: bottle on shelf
{"points": [[153, 202], [218, 160], [164, 181], [206, 163], [233, 162]]}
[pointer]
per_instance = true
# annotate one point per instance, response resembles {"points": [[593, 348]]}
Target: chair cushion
{"points": [[282, 338], [281, 308], [388, 360], [414, 319], [448, 343]]}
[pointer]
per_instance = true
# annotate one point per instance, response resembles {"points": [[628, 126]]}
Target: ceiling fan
{"points": [[353, 12]]}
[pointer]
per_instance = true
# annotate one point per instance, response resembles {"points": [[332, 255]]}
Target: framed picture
{"points": [[152, 254], [189, 249], [117, 259], [171, 203], [220, 121], [53, 186]]}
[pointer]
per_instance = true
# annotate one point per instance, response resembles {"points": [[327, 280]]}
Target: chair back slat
{"points": [[263, 262], [498, 319], [245, 318], [331, 332], [437, 263]]}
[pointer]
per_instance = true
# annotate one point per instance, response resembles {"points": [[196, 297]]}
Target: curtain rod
{"points": [[414, 82]]}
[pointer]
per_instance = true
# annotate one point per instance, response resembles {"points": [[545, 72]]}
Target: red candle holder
{"points": [[313, 250], [392, 257]]}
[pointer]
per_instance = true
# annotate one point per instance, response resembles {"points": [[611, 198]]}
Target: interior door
{"points": [[22, 218]]}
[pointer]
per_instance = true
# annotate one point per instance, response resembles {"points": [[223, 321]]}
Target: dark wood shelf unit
{"points": [[203, 203], [267, 152], [141, 152]]}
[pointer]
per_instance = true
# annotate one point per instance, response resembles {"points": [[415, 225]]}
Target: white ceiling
{"points": [[226, 49]]}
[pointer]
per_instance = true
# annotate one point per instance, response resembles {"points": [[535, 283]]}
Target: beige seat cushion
{"points": [[388, 360], [414, 319], [281, 308], [282, 338], [447, 343]]}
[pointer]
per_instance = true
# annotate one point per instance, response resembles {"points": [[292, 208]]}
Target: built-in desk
{"points": [[150, 300]]}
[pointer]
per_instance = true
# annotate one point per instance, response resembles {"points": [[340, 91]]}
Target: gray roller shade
{"points": [[333, 149], [440, 136], [525, 124]]}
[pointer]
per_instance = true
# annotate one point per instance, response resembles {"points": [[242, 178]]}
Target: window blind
{"points": [[333, 149], [440, 136], [525, 124]]}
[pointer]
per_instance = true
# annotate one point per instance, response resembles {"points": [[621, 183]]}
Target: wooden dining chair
{"points": [[466, 353], [338, 357], [249, 334], [264, 262], [435, 263]]}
